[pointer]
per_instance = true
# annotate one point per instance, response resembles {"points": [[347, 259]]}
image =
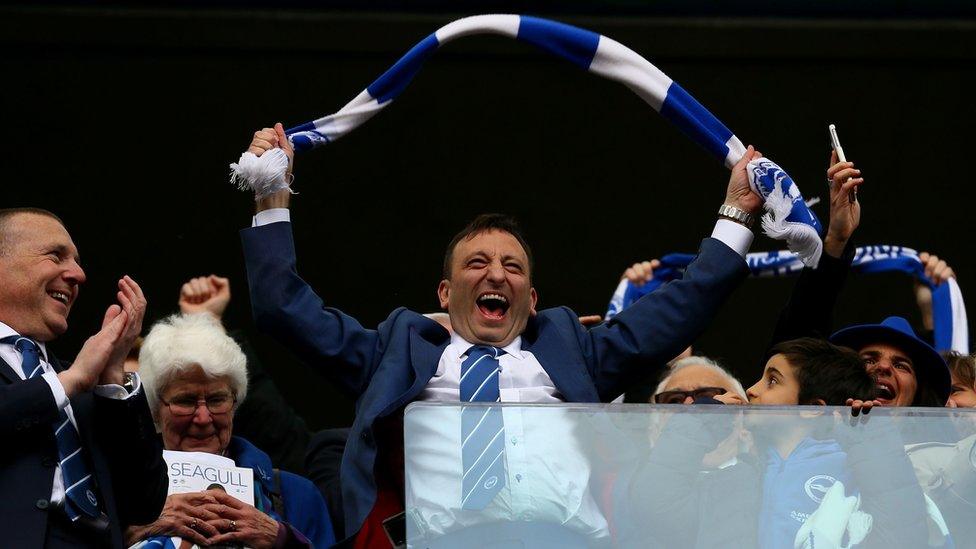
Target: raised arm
{"points": [[284, 305], [661, 324], [810, 310]]}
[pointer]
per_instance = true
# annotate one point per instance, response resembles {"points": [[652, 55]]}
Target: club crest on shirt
{"points": [[816, 486]]}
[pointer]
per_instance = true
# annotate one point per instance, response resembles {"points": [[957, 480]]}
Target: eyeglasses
{"points": [[678, 397], [216, 405]]}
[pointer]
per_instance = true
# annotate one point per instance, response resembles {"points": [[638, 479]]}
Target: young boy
{"points": [[801, 464], [804, 459]]}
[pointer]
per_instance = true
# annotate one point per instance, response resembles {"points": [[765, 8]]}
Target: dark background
{"points": [[123, 119]]}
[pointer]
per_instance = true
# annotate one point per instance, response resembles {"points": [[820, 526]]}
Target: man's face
{"points": [[39, 276], [894, 371], [489, 296], [778, 384], [694, 377]]}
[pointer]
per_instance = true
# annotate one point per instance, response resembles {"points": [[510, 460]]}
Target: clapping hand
{"points": [[133, 303], [95, 353]]}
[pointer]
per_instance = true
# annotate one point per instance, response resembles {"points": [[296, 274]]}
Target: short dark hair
{"points": [[826, 371], [962, 367], [483, 224], [6, 214]]}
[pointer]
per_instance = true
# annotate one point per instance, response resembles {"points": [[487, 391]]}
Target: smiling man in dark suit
{"points": [[75, 465], [533, 356]]}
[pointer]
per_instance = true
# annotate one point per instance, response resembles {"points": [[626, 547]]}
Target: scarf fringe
{"points": [[802, 239], [265, 174]]}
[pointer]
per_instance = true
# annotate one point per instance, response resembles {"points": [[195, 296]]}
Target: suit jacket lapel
{"points": [[566, 368], [8, 372], [425, 355], [428, 339]]}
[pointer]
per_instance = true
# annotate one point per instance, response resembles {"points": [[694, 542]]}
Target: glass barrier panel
{"points": [[572, 475]]}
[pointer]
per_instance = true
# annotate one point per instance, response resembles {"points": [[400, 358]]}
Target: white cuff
{"points": [[118, 392], [274, 215], [60, 397], [734, 235]]}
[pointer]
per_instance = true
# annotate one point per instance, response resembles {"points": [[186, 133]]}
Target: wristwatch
{"points": [[129, 382], [735, 214]]}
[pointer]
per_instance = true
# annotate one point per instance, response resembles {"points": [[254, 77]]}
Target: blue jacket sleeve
{"points": [[305, 510], [664, 322], [286, 307]]}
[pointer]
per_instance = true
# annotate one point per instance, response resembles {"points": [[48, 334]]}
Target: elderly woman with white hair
{"points": [[195, 375]]}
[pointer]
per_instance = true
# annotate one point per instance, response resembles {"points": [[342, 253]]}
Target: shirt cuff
{"points": [[60, 397], [273, 215], [734, 235], [119, 392]]}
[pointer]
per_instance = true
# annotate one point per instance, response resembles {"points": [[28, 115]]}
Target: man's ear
{"points": [[534, 298], [444, 293]]}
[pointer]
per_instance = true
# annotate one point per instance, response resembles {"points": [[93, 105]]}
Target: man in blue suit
{"points": [[81, 459], [540, 356]]}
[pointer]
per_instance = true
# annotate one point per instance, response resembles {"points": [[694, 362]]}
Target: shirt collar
{"points": [[459, 346], [6, 331]]}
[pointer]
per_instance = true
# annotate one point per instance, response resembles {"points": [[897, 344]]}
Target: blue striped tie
{"points": [[482, 429], [79, 486]]}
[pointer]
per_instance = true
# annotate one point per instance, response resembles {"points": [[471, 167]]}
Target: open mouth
{"points": [[59, 296], [886, 392], [492, 305]]}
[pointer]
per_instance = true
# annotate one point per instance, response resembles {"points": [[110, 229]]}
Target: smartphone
{"points": [[396, 530], [835, 143]]}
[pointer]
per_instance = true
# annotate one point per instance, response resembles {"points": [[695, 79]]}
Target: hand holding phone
{"points": [[835, 143]]}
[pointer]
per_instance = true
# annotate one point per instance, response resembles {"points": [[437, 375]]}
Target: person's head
{"points": [[963, 369], [39, 273], [812, 371], [194, 376], [487, 281], [695, 377], [909, 371]]}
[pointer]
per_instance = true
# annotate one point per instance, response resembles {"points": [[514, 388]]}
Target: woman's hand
{"points": [[183, 515], [241, 523]]}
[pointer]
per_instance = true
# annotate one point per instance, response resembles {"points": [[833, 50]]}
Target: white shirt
{"points": [[547, 469], [14, 359]]}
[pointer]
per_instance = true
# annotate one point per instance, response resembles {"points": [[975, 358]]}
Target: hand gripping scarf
{"points": [[948, 308], [787, 216]]}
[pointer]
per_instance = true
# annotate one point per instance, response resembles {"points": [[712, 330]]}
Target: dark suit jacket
{"points": [[119, 439], [388, 367]]}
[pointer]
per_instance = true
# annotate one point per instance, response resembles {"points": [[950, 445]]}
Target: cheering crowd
{"points": [[86, 442]]}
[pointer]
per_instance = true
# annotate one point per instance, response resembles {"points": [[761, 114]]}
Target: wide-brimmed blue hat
{"points": [[930, 368]]}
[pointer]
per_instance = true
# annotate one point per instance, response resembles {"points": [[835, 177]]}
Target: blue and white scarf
{"points": [[787, 217], [948, 308]]}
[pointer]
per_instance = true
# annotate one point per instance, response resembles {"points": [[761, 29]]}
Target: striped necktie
{"points": [[79, 486], [482, 429]]}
